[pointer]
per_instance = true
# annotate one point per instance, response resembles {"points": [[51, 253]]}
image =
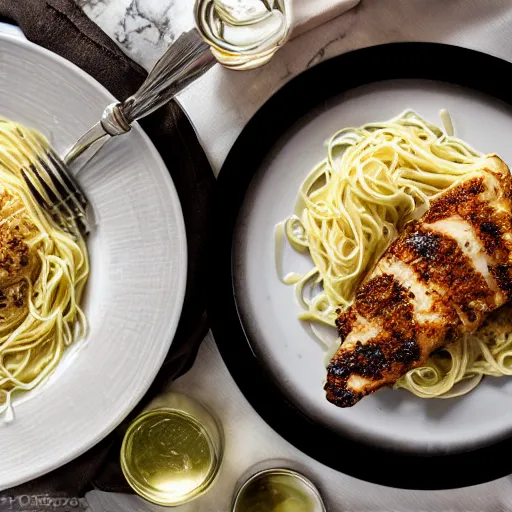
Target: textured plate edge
{"points": [[182, 261]]}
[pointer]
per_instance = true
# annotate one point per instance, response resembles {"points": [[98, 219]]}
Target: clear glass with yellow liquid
{"points": [[273, 486], [172, 452], [243, 34]]}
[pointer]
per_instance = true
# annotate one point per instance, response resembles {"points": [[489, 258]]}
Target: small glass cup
{"points": [[171, 453], [243, 34], [276, 485]]}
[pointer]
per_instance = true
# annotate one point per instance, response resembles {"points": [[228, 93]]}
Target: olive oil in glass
{"points": [[277, 490], [172, 453]]}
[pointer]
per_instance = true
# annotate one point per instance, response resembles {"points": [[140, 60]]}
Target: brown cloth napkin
{"points": [[62, 27]]}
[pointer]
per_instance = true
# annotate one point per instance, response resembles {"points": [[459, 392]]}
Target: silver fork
{"points": [[50, 180]]}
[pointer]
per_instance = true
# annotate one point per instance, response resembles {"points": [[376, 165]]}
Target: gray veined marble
{"points": [[143, 28]]}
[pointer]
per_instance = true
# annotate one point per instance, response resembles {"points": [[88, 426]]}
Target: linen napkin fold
{"points": [[62, 27]]}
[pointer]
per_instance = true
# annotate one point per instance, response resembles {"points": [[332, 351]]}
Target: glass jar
{"points": [[243, 34], [171, 453], [276, 486]]}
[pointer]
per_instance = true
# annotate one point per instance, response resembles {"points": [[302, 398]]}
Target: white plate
{"points": [[138, 269], [389, 419]]}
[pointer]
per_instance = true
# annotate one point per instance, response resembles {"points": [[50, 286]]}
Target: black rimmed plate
{"points": [[392, 437]]}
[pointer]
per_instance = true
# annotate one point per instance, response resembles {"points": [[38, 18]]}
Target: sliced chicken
{"points": [[440, 278]]}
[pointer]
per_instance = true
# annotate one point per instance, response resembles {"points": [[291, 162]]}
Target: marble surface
{"points": [[143, 28], [219, 104]]}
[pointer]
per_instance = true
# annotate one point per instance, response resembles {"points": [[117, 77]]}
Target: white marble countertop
{"points": [[219, 104]]}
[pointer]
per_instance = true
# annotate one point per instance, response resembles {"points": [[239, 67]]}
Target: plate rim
{"points": [[182, 262], [293, 101]]}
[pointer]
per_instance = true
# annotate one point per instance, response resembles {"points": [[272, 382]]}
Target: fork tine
{"points": [[56, 204], [71, 196], [55, 190], [67, 179], [33, 190], [53, 198], [58, 208], [57, 216]]}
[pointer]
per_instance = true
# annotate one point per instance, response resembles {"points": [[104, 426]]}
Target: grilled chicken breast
{"points": [[440, 278]]}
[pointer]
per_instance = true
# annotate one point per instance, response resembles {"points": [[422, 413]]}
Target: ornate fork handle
{"points": [[183, 62], [186, 59]]}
